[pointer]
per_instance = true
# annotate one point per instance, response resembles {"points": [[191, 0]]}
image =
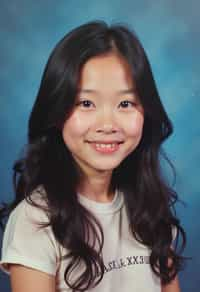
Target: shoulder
{"points": [[26, 241], [33, 207]]}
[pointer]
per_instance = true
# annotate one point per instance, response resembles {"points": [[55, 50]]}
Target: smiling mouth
{"points": [[106, 147]]}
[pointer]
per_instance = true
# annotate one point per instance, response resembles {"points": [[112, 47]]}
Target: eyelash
{"points": [[124, 101]]}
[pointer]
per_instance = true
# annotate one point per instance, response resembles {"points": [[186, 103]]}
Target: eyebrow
{"points": [[122, 91]]}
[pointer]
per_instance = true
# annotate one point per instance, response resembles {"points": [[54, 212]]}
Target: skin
{"points": [[103, 112], [172, 287], [24, 279], [104, 118]]}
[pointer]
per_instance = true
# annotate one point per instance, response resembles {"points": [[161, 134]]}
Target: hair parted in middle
{"points": [[47, 161]]}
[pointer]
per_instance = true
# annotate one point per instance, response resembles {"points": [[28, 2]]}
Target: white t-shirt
{"points": [[126, 261]]}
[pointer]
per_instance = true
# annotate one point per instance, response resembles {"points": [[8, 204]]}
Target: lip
{"points": [[106, 150], [106, 142]]}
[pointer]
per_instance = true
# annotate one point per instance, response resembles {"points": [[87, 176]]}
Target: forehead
{"points": [[110, 71]]}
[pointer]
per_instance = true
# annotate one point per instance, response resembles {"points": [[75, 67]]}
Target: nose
{"points": [[106, 122], [106, 128]]}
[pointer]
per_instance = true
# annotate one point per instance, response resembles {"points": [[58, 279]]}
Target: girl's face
{"points": [[106, 123]]}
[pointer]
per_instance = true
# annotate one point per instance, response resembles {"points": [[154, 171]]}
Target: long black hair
{"points": [[48, 163]]}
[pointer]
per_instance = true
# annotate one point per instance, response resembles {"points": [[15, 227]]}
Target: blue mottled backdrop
{"points": [[169, 31]]}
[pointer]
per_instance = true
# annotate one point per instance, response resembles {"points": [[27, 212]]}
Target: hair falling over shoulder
{"points": [[46, 161]]}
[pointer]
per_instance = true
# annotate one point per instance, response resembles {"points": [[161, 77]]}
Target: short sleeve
{"points": [[26, 244]]}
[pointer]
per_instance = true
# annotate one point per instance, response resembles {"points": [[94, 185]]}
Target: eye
{"points": [[127, 103], [85, 103]]}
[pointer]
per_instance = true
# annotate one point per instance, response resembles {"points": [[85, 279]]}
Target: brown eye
{"points": [[127, 103], [85, 103]]}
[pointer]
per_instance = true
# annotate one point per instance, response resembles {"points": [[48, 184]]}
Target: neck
{"points": [[97, 187]]}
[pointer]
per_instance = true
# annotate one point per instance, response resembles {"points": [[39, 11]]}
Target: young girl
{"points": [[93, 211]]}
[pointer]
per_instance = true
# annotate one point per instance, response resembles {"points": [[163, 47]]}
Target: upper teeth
{"points": [[106, 145]]}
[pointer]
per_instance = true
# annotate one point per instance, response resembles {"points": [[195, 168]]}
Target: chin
{"points": [[106, 166]]}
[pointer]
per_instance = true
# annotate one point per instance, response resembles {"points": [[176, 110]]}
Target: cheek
{"points": [[75, 126], [135, 126]]}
